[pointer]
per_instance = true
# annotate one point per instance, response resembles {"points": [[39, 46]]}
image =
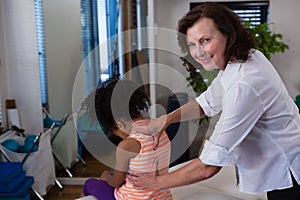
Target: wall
{"points": [[63, 52], [167, 13], [285, 16]]}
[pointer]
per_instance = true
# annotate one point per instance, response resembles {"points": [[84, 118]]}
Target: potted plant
{"points": [[267, 41]]}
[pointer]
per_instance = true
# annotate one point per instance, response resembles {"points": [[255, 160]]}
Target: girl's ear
{"points": [[121, 132], [121, 125]]}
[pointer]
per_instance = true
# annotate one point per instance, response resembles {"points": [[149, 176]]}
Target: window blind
{"points": [[253, 16], [21, 55], [256, 12], [41, 49]]}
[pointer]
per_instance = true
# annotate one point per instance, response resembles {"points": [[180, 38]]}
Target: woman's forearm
{"points": [[193, 172], [189, 111]]}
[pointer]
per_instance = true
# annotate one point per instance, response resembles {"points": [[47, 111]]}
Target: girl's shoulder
{"points": [[130, 144], [139, 136]]}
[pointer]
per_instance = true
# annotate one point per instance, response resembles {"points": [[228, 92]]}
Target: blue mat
{"points": [[9, 170], [23, 190]]}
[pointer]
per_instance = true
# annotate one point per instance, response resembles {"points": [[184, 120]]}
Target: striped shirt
{"points": [[143, 162]]}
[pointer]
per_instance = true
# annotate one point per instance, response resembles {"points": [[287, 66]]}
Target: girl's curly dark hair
{"points": [[116, 99], [240, 40]]}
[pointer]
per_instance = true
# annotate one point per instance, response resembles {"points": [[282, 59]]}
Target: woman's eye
{"points": [[190, 45], [205, 41]]}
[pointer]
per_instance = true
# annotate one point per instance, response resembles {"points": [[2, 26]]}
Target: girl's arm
{"points": [[127, 149]]}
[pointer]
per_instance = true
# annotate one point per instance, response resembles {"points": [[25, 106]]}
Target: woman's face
{"points": [[207, 44]]}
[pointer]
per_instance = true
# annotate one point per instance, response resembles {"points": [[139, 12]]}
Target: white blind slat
{"points": [[255, 12]]}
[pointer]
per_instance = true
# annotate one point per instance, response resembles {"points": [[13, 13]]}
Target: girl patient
{"points": [[118, 103]]}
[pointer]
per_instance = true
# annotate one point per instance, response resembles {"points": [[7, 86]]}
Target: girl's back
{"points": [[148, 160]]}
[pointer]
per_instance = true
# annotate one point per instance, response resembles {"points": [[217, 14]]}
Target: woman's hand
{"points": [[189, 111], [150, 126], [144, 181]]}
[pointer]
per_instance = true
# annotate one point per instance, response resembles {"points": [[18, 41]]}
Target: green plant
{"points": [[199, 85], [199, 81], [267, 41]]}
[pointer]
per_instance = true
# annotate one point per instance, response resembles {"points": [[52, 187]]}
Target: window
{"points": [[254, 11], [90, 42], [41, 49], [98, 24]]}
